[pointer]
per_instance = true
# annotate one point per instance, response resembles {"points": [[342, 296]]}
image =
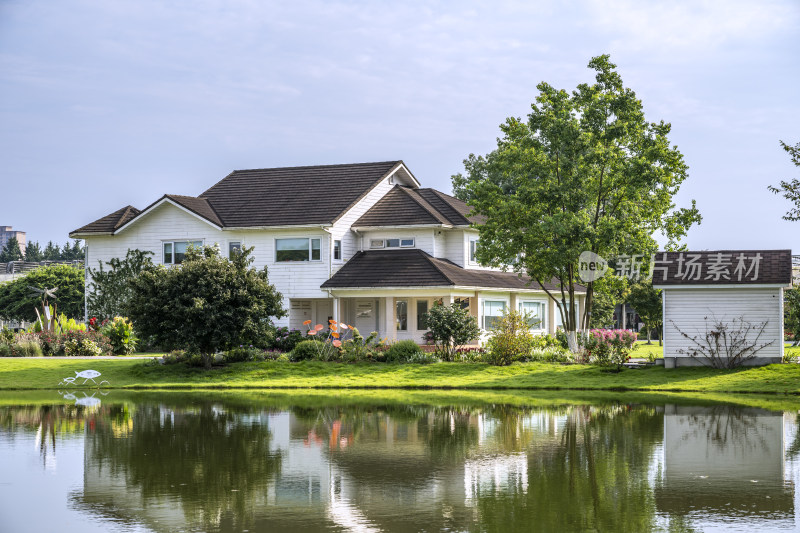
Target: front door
{"points": [[366, 316]]}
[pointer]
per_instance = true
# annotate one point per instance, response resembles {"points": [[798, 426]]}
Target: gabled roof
{"points": [[198, 206], [404, 206], [415, 268], [109, 223], [455, 210], [401, 207], [295, 195], [290, 196]]}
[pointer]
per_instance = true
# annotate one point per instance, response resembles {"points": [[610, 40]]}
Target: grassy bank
{"points": [[44, 373]]}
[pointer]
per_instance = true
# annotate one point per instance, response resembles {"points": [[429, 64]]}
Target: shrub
{"points": [[451, 327], [5, 350], [546, 341], [285, 339], [26, 345], [119, 332], [306, 351], [97, 338], [402, 352], [244, 353], [423, 358], [609, 346], [51, 343], [550, 354], [175, 357], [512, 338], [81, 348], [360, 348], [214, 303], [6, 335], [282, 358], [471, 355]]}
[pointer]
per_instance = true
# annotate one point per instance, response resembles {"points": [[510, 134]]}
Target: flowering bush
{"points": [[81, 348], [119, 331], [99, 340], [285, 339], [609, 346]]}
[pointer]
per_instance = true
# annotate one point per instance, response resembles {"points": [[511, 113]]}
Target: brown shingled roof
{"points": [[287, 196], [109, 223], [293, 195], [198, 206], [404, 206], [723, 267], [415, 268]]}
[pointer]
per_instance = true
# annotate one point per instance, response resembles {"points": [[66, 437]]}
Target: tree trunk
{"points": [[572, 341], [647, 329]]}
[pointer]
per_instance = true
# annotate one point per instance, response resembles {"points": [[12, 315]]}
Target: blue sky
{"points": [[105, 104]]}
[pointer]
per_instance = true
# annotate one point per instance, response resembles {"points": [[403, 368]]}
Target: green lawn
{"points": [[44, 373]]}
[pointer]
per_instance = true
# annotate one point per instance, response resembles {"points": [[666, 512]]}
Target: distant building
{"points": [[5, 235]]}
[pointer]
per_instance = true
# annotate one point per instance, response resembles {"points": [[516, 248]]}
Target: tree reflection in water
{"points": [[199, 465], [215, 464]]}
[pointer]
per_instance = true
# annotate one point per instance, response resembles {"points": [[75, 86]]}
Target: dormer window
{"points": [[473, 248], [392, 243]]}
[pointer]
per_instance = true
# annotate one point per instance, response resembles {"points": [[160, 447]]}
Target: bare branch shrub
{"points": [[725, 344]]}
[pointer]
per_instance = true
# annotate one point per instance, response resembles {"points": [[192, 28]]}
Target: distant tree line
{"points": [[34, 252]]}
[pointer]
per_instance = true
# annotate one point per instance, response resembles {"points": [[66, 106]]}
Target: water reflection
{"points": [[196, 464]]}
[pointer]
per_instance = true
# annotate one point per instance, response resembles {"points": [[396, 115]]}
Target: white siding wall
{"points": [[423, 238], [341, 229], [454, 249], [293, 280], [687, 308]]}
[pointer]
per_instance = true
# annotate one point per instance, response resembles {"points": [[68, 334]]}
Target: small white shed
{"points": [[738, 290]]}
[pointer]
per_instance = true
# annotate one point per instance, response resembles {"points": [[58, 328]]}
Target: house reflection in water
{"points": [[213, 467], [724, 462]]}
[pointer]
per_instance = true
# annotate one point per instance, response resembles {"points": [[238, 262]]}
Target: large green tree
{"points": [[792, 313], [51, 252], [790, 189], [11, 251], [585, 172], [109, 287], [19, 302], [646, 299], [206, 304]]}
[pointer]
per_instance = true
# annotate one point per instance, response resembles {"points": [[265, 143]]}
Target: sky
{"points": [[107, 104]]}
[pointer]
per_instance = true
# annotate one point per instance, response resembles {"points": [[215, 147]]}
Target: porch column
{"points": [[513, 301], [390, 323], [337, 312]]}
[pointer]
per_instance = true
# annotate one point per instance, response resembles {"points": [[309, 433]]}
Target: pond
{"points": [[401, 461]]}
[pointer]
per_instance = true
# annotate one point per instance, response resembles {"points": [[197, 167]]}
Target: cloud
{"points": [[667, 27]]}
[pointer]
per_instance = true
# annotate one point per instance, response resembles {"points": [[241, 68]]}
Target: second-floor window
{"points": [[337, 249], [407, 242], [175, 251], [301, 249], [473, 246]]}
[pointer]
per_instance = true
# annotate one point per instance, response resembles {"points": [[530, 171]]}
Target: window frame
{"points": [[336, 249], [230, 247], [374, 246], [189, 242], [484, 315], [472, 251], [542, 326], [427, 309], [310, 249], [397, 321]]}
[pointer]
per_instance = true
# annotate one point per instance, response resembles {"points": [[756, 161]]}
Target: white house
{"points": [[362, 243]]}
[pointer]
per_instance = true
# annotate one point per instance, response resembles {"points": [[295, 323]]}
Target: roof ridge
{"points": [[125, 211], [432, 261], [442, 196], [422, 202], [392, 161], [375, 183]]}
